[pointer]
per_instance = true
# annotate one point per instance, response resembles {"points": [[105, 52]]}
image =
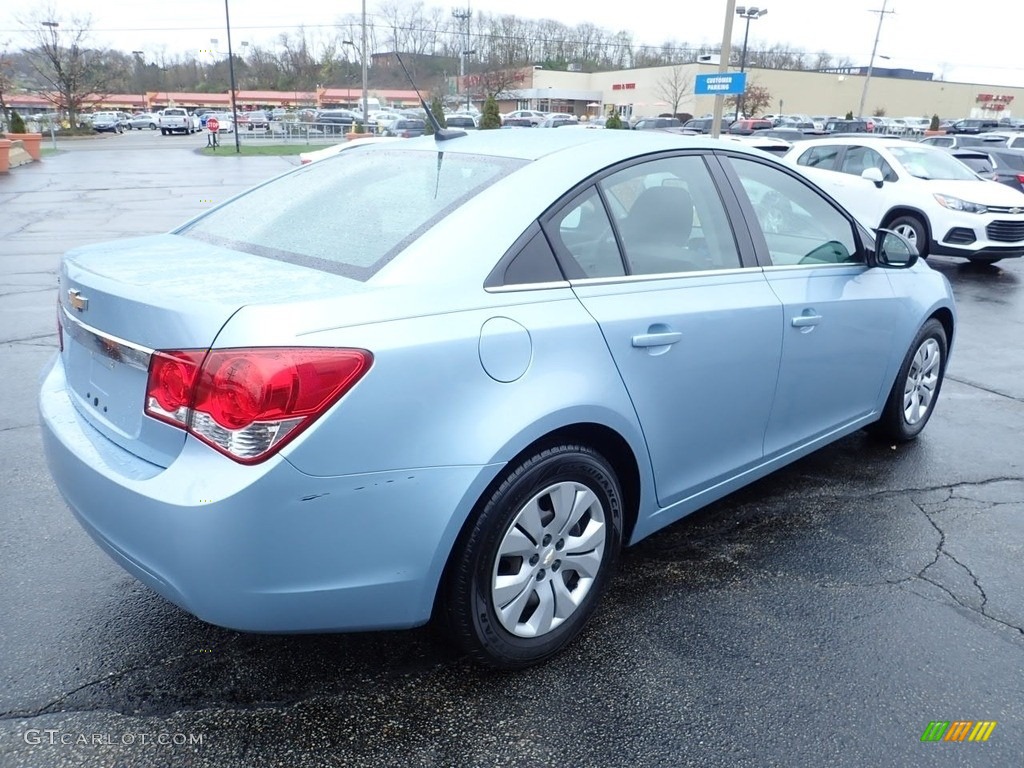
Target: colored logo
{"points": [[958, 730]]}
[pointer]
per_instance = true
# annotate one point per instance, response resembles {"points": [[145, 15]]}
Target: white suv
{"points": [[921, 192]]}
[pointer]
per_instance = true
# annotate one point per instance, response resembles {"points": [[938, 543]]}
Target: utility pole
{"points": [[871, 62], [463, 18]]}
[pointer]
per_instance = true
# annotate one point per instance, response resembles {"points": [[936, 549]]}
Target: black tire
{"points": [[894, 425], [152, 126], [469, 609], [163, 131], [914, 230]]}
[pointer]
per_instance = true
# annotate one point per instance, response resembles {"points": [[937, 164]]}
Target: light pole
{"points": [[465, 66], [366, 119], [231, 74], [871, 62], [138, 74], [749, 14]]}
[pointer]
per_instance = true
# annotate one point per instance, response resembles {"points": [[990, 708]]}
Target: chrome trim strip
{"points": [[586, 281], [112, 347], [793, 267], [528, 287]]}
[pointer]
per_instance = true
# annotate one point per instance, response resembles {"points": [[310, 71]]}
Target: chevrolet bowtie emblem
{"points": [[78, 301]]}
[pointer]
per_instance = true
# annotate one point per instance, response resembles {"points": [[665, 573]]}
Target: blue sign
{"points": [[722, 84]]}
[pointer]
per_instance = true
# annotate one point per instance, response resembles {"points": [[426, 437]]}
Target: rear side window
{"points": [[353, 213]]}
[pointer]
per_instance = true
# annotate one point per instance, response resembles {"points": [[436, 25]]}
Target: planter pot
{"points": [[934, 133], [5, 159], [30, 141], [353, 136]]}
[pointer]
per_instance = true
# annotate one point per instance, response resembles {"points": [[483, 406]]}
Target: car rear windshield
{"points": [[353, 213]]}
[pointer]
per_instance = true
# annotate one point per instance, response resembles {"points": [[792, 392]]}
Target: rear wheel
{"points": [[917, 386], [912, 228], [529, 571]]}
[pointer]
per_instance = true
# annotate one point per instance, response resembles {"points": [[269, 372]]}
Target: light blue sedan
{"points": [[451, 377]]}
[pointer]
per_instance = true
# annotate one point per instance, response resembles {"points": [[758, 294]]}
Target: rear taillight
{"points": [[248, 403], [1020, 178]]}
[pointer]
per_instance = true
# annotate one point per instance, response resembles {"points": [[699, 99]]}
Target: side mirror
{"points": [[893, 250], [873, 175]]}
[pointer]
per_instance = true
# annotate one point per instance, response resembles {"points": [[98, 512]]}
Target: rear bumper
{"points": [[262, 548]]}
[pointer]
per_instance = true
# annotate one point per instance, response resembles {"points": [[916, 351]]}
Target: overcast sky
{"points": [[966, 44]]}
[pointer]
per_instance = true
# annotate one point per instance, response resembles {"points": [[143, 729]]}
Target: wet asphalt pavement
{"points": [[823, 616]]}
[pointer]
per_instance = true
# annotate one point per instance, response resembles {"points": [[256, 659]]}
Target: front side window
{"points": [[670, 217], [857, 159], [800, 226]]}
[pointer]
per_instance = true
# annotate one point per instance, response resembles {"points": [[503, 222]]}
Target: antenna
{"points": [[440, 134]]}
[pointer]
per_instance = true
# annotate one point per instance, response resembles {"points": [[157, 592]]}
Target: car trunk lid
{"points": [[121, 301]]}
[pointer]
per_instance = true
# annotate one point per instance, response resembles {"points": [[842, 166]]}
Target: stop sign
{"points": [[212, 125]]}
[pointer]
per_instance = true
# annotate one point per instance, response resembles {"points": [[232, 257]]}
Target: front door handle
{"points": [[804, 321], [656, 339]]}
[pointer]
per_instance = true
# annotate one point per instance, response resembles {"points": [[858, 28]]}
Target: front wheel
{"points": [[912, 228], [529, 571], [913, 396]]}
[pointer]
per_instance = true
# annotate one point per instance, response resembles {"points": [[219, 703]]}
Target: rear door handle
{"points": [[803, 321], [656, 339]]}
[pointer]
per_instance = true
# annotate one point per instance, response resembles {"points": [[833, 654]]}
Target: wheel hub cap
{"points": [[548, 559], [922, 381]]}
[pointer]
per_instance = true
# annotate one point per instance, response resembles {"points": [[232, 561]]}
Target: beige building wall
{"points": [[644, 92]]}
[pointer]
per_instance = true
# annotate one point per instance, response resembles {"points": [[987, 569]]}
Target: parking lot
{"points": [[822, 616]]}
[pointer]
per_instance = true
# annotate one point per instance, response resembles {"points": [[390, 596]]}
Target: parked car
{"points": [[256, 120], [975, 125], [774, 146], [107, 122], [848, 126], [921, 192], [704, 124], [518, 122], [995, 163], [955, 140], [790, 135], [535, 118], [460, 121], [342, 117], [225, 121], [143, 121], [559, 121], [748, 126], [406, 128], [657, 123], [361, 428]]}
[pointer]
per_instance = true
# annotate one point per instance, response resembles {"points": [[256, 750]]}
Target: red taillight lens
{"points": [[172, 376], [1020, 178], [247, 403]]}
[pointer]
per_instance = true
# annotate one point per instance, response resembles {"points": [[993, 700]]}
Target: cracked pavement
{"points": [[822, 616]]}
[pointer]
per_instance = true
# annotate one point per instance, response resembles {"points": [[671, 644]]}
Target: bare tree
{"points": [[6, 84], [673, 86], [752, 101], [74, 71]]}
